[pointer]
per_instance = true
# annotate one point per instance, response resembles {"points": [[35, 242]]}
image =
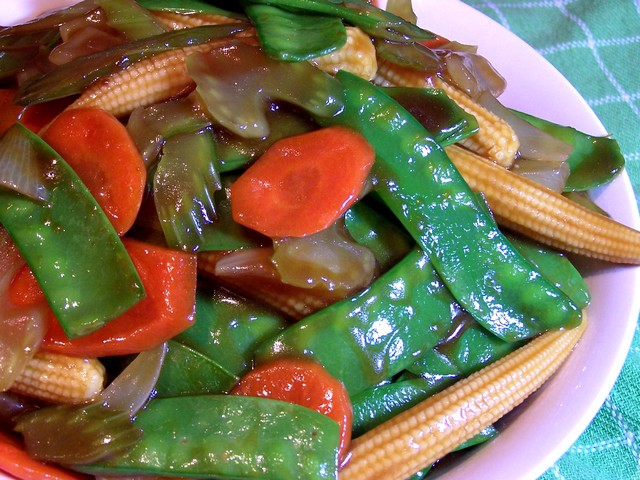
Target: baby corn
{"points": [[144, 83], [544, 215], [60, 379], [416, 438], [176, 21], [357, 56], [495, 139]]}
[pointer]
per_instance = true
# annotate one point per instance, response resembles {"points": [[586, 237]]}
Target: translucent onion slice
{"points": [[329, 259], [20, 166], [470, 72], [133, 387], [541, 157], [75, 435]]}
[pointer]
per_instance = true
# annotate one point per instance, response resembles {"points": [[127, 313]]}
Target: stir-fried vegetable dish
{"points": [[276, 239]]}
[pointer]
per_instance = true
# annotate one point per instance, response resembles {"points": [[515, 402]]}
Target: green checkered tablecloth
{"points": [[595, 44]]}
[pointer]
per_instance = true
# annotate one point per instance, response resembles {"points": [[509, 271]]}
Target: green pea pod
{"points": [[370, 227], [188, 7], [70, 245], [186, 371], [228, 328], [228, 436], [362, 14], [555, 267], [372, 336], [442, 117], [418, 182], [212, 354], [594, 161], [292, 37]]}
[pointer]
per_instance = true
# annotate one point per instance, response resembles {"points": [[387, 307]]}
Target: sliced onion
{"points": [[22, 327], [151, 126], [98, 430], [470, 72], [536, 146], [552, 175], [328, 259], [21, 165], [133, 387], [403, 9], [75, 435], [85, 41]]}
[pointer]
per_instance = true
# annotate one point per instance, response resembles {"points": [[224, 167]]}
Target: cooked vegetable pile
{"points": [[276, 239]]}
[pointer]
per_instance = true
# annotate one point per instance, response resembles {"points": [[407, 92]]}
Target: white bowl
{"points": [[550, 421]]}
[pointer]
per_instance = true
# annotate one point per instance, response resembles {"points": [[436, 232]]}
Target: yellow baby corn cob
{"points": [[495, 139], [143, 83], [392, 75], [357, 56], [544, 215], [176, 21], [416, 438], [61, 379]]}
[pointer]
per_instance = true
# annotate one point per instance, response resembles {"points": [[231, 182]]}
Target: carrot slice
{"points": [[15, 461], [169, 278], [303, 382], [302, 184], [24, 289], [9, 111], [34, 117], [103, 154]]}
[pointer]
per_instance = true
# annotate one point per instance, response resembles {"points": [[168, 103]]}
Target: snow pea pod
{"points": [[294, 37], [70, 245], [228, 328], [370, 227], [212, 354], [555, 267], [189, 372], [360, 13], [372, 336], [418, 182], [188, 7], [228, 436]]}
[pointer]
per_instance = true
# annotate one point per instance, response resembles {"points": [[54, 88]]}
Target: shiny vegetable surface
{"points": [[467, 249], [297, 261], [99, 281]]}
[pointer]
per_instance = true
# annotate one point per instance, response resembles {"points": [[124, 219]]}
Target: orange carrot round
{"points": [[304, 183], [101, 151], [34, 117], [24, 289], [303, 382]]}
